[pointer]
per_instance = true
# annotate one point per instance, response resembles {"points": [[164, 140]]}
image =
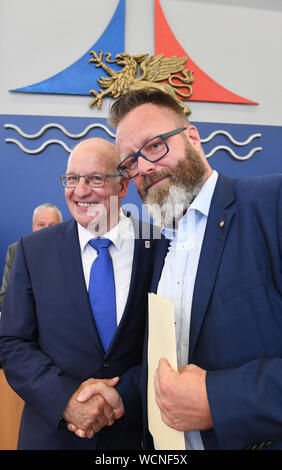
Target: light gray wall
{"points": [[236, 42]]}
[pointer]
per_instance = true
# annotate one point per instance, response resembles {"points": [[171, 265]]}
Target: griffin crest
{"points": [[139, 71]]}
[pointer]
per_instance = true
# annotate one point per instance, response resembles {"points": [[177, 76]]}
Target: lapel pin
{"points": [[221, 224], [147, 244]]}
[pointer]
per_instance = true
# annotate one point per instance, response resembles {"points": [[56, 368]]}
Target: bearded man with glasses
{"points": [[220, 266]]}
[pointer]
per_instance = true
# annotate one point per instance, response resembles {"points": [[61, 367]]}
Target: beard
{"points": [[168, 201]]}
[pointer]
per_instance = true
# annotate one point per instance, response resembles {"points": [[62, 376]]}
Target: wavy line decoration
{"points": [[39, 149], [87, 129], [235, 142], [61, 128], [232, 153], [49, 142]]}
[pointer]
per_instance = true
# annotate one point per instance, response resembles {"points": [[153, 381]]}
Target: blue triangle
{"points": [[80, 77]]}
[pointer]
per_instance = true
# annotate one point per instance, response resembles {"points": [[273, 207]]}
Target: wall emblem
{"points": [[81, 78], [153, 71]]}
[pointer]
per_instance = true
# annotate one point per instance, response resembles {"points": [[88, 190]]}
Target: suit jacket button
{"points": [[106, 364]]}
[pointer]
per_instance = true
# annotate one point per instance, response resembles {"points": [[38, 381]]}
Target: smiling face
{"points": [[184, 166], [85, 203]]}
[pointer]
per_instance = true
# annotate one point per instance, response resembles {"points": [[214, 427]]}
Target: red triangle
{"points": [[204, 87]]}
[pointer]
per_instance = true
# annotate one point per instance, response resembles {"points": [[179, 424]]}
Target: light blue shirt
{"points": [[179, 274]]}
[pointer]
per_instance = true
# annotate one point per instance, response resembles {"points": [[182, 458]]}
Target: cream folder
{"points": [[161, 343]]}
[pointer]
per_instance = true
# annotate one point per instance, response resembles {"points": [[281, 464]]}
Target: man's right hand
{"points": [[94, 405]]}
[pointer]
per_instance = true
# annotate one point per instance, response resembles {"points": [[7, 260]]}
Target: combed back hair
{"points": [[135, 98], [47, 206]]}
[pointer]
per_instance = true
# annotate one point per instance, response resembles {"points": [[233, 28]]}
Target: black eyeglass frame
{"points": [[140, 154], [104, 176]]}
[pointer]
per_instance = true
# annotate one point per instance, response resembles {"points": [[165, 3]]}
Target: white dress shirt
{"points": [[121, 251], [179, 273]]}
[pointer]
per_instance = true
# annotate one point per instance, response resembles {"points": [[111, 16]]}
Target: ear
{"points": [[193, 136], [124, 182]]}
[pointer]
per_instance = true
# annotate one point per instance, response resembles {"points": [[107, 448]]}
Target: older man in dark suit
{"points": [[52, 341]]}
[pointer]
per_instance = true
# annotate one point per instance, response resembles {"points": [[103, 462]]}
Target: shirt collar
{"points": [[201, 204], [202, 201], [117, 234]]}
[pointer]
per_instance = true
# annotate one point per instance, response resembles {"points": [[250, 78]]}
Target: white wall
{"points": [[236, 42]]}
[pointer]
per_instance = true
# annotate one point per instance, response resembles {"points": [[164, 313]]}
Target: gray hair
{"points": [[47, 206]]}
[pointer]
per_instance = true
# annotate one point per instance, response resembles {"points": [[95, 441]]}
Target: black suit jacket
{"points": [[49, 342]]}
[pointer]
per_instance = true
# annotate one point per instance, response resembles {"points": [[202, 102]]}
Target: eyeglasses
{"points": [[97, 180], [152, 151]]}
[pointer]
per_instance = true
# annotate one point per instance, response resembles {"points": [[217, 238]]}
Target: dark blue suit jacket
{"points": [[49, 343], [236, 319]]}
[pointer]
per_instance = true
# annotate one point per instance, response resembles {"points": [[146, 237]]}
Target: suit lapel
{"points": [[141, 256], [69, 252], [220, 215], [160, 251]]}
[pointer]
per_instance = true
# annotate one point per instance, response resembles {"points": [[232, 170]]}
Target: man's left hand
{"points": [[182, 397]]}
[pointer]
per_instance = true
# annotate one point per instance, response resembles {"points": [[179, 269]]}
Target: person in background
{"points": [[74, 314], [43, 216]]}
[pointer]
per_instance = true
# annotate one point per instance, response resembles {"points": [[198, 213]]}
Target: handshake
{"points": [[94, 405]]}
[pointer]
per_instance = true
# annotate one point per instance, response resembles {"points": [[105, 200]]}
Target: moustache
{"points": [[149, 180]]}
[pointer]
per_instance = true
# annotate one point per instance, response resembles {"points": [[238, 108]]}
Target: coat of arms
{"points": [[140, 71]]}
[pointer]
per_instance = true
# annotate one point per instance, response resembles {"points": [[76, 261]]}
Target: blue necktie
{"points": [[101, 291]]}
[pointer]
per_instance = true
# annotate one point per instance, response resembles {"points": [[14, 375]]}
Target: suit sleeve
{"points": [[29, 371], [245, 401], [6, 273], [129, 390]]}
